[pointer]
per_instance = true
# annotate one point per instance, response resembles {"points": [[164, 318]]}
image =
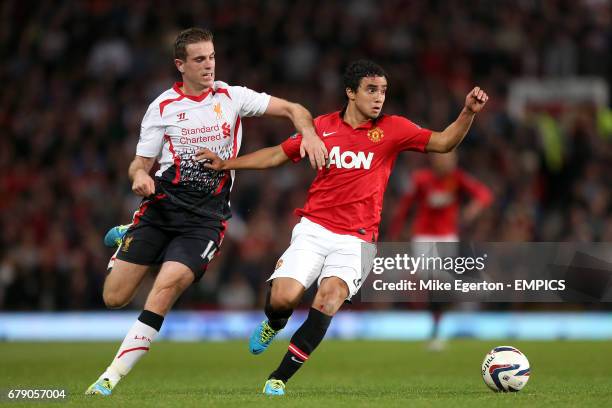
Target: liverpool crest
{"points": [[126, 244], [217, 109]]}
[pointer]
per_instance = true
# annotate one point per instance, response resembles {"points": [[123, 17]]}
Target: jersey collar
{"points": [[199, 98], [367, 125]]}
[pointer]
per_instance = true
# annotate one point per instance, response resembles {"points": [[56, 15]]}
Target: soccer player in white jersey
{"points": [[343, 208], [181, 220]]}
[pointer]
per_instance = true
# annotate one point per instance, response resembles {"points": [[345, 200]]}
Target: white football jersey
{"points": [[176, 125]]}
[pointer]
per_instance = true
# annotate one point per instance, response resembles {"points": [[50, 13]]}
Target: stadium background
{"points": [[78, 76]]}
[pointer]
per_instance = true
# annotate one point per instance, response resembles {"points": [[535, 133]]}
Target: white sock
{"points": [[135, 345]]}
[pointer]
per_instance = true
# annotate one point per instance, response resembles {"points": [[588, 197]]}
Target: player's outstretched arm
{"points": [[142, 183], [311, 144], [261, 159], [449, 138]]}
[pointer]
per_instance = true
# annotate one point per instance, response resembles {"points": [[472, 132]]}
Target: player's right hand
{"points": [[209, 159], [143, 184], [313, 147]]}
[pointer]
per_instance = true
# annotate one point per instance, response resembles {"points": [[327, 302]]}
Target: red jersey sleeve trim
{"points": [[291, 147], [223, 91], [167, 102], [422, 140]]}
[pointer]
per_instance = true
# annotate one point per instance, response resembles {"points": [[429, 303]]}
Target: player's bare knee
{"points": [[328, 304], [283, 301], [285, 297], [112, 295], [331, 296], [112, 300]]}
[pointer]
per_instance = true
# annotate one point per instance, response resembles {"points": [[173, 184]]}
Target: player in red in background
{"points": [[436, 193], [343, 208]]}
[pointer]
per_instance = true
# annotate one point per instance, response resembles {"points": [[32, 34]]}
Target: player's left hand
{"points": [[476, 100], [313, 146], [209, 159]]}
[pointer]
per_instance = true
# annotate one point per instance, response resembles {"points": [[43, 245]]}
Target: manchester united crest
{"points": [[376, 134]]}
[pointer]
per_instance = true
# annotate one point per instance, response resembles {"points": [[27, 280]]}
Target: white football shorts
{"points": [[316, 253]]}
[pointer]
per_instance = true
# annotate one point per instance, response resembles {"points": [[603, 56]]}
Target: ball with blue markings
{"points": [[505, 369]]}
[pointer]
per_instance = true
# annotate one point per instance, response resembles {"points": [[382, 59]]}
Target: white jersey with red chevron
{"points": [[176, 125]]}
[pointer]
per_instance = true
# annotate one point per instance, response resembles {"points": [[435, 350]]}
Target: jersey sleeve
{"points": [[250, 103], [151, 134], [291, 147], [411, 136], [477, 190]]}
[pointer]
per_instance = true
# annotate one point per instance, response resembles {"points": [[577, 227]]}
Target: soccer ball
{"points": [[505, 369]]}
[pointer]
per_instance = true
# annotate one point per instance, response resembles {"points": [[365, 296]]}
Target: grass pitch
{"points": [[339, 374]]}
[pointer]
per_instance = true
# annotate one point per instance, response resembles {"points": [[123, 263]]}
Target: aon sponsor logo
{"points": [[349, 160]]}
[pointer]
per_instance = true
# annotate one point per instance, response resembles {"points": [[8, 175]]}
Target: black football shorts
{"points": [[162, 231]]}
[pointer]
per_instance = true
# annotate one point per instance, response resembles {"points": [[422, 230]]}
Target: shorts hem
{"points": [[136, 261], [274, 276], [198, 274], [349, 285]]}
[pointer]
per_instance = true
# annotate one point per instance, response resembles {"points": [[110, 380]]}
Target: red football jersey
{"points": [[346, 197], [437, 200]]}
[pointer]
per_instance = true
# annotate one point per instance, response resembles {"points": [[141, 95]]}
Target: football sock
{"points": [[135, 345], [277, 318], [303, 343]]}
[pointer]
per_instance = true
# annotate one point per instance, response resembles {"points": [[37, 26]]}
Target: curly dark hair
{"points": [[361, 69], [190, 36]]}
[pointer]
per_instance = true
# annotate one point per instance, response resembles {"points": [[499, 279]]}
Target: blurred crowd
{"points": [[79, 75]]}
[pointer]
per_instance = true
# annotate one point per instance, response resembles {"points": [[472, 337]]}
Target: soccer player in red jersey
{"points": [[342, 210], [436, 193]]}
